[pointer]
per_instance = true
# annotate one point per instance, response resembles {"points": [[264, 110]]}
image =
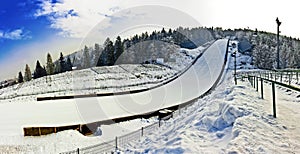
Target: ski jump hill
{"points": [[52, 115]]}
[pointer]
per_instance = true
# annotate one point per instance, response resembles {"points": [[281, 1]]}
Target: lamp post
{"points": [[234, 55], [278, 24]]}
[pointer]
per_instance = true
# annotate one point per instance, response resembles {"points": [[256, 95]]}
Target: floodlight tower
{"points": [[278, 24]]}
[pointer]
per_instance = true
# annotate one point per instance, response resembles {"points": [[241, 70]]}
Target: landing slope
{"points": [[197, 80]]}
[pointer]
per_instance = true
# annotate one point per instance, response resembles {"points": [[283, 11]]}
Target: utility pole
{"points": [[234, 55], [235, 79], [278, 24]]}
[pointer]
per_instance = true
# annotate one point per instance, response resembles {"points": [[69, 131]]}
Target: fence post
{"points": [[116, 143], [159, 123], [281, 77], [274, 103], [142, 131], [249, 78], [262, 87], [253, 82], [297, 76], [77, 150], [265, 74], [289, 79], [256, 83]]}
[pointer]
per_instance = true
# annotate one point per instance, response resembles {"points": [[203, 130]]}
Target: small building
{"points": [[159, 60]]}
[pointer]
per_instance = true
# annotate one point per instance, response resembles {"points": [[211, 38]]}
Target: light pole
{"points": [[234, 55], [278, 24]]}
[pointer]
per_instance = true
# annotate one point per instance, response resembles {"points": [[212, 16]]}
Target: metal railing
{"points": [[287, 79]]}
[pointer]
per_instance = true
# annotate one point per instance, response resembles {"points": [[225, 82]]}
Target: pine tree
{"points": [[56, 68], [62, 64], [170, 32], [86, 57], [97, 53], [163, 32], [28, 74], [69, 64], [102, 59], [49, 65], [110, 53], [107, 55], [20, 78], [39, 71], [119, 49], [44, 71]]}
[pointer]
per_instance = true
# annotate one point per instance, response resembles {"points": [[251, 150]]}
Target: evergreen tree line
{"points": [[51, 68], [264, 47], [263, 51], [183, 37]]}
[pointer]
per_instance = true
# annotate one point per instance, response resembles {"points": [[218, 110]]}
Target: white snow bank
{"points": [[233, 119], [69, 139]]}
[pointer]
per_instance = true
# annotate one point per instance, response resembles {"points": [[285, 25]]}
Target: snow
{"points": [[188, 86], [89, 81], [69, 139], [243, 61], [20, 109], [233, 119], [108, 79]]}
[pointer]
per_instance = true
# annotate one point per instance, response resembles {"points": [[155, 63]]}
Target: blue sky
{"points": [[22, 32], [17, 26], [29, 29]]}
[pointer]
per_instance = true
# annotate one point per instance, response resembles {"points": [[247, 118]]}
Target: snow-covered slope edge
{"points": [[233, 119]]}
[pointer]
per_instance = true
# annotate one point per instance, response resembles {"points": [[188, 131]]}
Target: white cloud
{"points": [[228, 14], [88, 14], [76, 17], [17, 34]]}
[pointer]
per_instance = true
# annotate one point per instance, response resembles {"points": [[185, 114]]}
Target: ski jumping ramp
{"points": [[202, 76]]}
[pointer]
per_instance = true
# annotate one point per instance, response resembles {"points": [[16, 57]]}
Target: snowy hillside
{"points": [[25, 111], [105, 79], [243, 61], [233, 119]]}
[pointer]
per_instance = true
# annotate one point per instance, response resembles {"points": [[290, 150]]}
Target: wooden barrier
{"points": [[38, 131]]}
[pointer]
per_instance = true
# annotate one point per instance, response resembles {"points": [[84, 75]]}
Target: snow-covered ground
{"points": [[89, 81], [108, 79], [18, 98], [69, 139], [66, 112], [233, 119]]}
